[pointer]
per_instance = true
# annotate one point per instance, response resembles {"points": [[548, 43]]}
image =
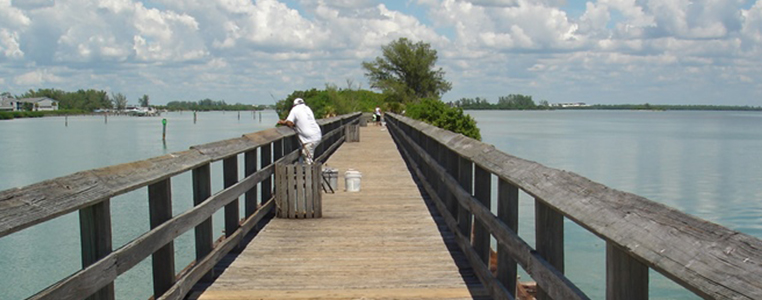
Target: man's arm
{"points": [[286, 122]]}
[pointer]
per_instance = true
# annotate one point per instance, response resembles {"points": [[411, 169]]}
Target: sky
{"points": [[258, 51]]}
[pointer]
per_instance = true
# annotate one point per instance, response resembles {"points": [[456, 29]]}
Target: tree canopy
{"points": [[406, 72]]}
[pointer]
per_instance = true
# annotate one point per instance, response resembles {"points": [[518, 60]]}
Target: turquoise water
{"points": [[38, 149], [704, 163]]}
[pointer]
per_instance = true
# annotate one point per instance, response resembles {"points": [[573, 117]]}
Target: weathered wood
{"points": [[465, 176], [163, 260], [549, 239], [508, 213], [105, 271], [381, 238], [317, 205], [184, 284], [291, 188], [266, 186], [95, 229], [626, 277], [540, 270], [352, 133], [23, 207], [483, 193], [309, 206], [250, 166], [202, 189], [298, 190], [706, 258], [494, 287], [229, 178]]}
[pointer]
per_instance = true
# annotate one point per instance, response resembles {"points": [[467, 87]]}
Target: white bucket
{"points": [[352, 180]]}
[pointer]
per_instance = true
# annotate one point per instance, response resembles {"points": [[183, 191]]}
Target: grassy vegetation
{"points": [[9, 115]]}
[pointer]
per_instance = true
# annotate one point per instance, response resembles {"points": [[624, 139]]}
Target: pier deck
{"points": [[381, 242]]}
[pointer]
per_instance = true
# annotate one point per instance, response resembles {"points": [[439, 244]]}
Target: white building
{"points": [[37, 104]]}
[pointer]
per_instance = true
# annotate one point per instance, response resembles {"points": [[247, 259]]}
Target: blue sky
{"points": [[243, 51]]}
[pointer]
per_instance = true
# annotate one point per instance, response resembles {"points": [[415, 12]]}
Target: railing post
{"points": [[508, 213], [626, 277], [549, 238], [95, 231], [483, 193], [465, 176], [278, 149], [202, 189], [250, 200], [163, 260], [229, 178], [265, 156], [451, 159]]}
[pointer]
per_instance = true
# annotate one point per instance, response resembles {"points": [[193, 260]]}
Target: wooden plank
{"points": [[309, 192], [95, 229], [508, 213], [382, 237], [266, 160], [301, 198], [23, 207], [163, 260], [540, 270], [202, 189], [291, 190], [198, 271], [391, 293], [105, 271], [653, 233], [316, 184], [483, 193], [280, 199], [250, 166], [549, 239], [465, 176], [494, 288], [229, 178], [626, 277]]}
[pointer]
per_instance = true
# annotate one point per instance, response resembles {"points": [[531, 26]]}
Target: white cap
{"points": [[298, 101]]}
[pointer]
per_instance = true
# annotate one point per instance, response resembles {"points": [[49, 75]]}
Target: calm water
{"points": [[703, 163], [707, 164]]}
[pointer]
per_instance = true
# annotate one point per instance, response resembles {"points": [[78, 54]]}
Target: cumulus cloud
{"points": [[242, 47]]}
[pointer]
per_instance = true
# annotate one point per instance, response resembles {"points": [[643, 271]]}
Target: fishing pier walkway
{"points": [[381, 242], [436, 218]]}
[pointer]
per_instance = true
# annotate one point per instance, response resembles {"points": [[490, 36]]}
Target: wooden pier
{"points": [[381, 242], [421, 226]]}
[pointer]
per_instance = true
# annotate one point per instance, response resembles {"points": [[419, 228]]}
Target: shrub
{"points": [[441, 115]]}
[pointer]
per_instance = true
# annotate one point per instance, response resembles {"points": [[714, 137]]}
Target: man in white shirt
{"points": [[303, 121]]}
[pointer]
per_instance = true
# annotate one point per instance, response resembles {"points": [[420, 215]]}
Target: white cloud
{"points": [[37, 77], [234, 49]]}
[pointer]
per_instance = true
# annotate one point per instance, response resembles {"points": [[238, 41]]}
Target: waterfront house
{"points": [[37, 104], [5, 104]]}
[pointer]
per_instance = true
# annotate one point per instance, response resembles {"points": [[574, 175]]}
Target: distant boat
{"points": [[141, 111]]}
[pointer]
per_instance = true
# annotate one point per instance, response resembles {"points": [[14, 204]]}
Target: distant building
{"points": [[570, 104], [37, 104]]}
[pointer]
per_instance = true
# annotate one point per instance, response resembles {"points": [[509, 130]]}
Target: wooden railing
{"points": [[712, 261], [89, 192]]}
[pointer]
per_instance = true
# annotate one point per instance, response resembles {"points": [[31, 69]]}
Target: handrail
{"points": [[90, 192], [708, 259]]}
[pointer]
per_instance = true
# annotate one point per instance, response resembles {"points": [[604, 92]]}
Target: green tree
{"points": [[406, 72], [143, 101], [120, 100]]}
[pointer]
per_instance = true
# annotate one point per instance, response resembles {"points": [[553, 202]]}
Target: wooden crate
{"points": [[352, 133], [297, 191]]}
